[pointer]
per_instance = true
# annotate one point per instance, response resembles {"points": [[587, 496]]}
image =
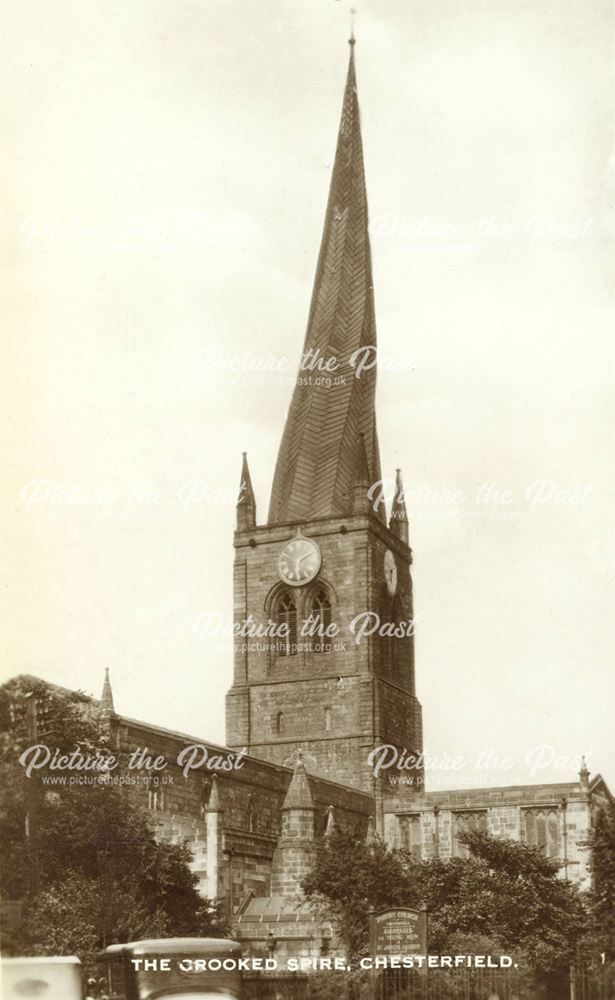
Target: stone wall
{"points": [[233, 844], [337, 704], [556, 817]]}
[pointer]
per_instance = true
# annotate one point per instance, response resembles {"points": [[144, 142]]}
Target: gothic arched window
{"points": [[410, 834], [320, 613], [467, 822], [286, 615], [542, 830]]}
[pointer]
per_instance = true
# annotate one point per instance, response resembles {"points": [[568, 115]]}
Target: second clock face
{"points": [[390, 572], [299, 561]]}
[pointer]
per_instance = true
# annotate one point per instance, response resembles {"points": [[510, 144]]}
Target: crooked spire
{"points": [[246, 502], [334, 399]]}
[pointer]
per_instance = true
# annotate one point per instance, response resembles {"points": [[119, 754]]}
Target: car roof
{"points": [[42, 960], [175, 946]]}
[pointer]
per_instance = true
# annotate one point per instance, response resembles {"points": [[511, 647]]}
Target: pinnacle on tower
{"points": [[246, 503], [106, 698], [398, 525], [360, 499], [315, 469]]}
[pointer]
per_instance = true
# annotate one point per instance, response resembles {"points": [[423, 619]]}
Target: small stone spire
{"points": [[330, 823], [398, 525], [246, 503], [106, 698], [294, 854], [213, 802], [299, 795]]}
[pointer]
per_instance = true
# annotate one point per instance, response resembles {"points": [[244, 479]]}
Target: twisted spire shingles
{"points": [[316, 467]]}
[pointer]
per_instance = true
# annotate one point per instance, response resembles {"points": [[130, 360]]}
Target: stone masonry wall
{"points": [[325, 703], [505, 811]]}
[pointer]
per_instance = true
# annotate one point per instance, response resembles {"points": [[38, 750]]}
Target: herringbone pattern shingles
{"points": [[316, 465]]}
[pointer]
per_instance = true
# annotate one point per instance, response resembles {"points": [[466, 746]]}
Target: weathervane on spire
{"points": [[352, 40]]}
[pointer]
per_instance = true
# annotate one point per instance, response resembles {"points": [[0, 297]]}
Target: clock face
{"points": [[299, 561], [390, 572]]}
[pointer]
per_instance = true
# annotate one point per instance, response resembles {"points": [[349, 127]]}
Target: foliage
{"points": [[350, 877], [91, 872], [602, 843], [506, 893]]}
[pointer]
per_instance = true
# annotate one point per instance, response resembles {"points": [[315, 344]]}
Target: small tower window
{"points": [[155, 800], [328, 719], [286, 614], [279, 723], [320, 613]]}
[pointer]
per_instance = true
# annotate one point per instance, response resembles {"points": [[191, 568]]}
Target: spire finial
{"points": [[352, 40]]}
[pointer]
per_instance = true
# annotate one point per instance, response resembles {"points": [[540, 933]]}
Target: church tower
{"points": [[326, 577]]}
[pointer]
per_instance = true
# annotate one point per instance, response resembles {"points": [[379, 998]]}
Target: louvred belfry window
{"points": [[320, 612], [286, 614]]}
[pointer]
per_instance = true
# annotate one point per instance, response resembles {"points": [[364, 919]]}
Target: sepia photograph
{"points": [[307, 687]]}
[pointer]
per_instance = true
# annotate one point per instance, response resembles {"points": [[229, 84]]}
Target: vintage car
{"points": [[181, 968], [42, 978]]}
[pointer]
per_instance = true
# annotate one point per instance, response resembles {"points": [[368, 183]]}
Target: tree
{"points": [[599, 947], [505, 893], [350, 876], [602, 897], [100, 874]]}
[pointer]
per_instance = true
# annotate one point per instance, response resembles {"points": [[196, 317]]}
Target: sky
{"points": [[166, 171]]}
